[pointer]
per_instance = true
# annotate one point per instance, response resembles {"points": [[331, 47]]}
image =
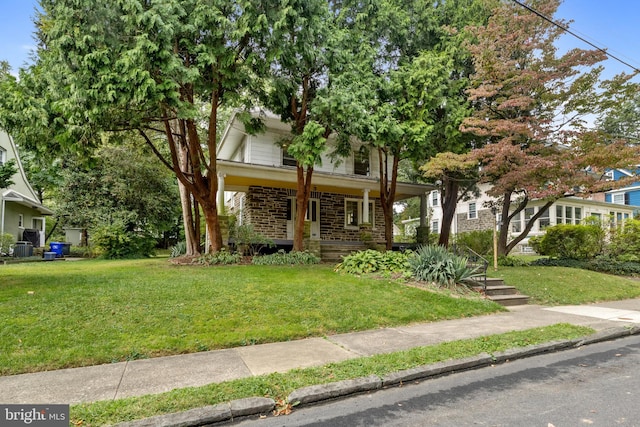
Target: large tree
{"points": [[298, 72], [154, 67], [530, 111], [406, 85]]}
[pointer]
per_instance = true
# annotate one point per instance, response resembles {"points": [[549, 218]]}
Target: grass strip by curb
{"points": [[278, 386]]}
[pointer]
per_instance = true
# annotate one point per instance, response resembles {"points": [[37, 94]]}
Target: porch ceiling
{"points": [[240, 176]]}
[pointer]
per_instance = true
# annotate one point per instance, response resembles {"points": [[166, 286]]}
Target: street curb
{"points": [[318, 393]]}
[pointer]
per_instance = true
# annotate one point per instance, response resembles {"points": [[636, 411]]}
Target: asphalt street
{"points": [[592, 385]]}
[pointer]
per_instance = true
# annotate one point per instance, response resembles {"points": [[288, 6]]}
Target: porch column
{"points": [[221, 193], [365, 206], [423, 210]]}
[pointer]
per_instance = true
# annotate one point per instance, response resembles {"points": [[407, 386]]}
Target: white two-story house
{"points": [[259, 182], [475, 214]]}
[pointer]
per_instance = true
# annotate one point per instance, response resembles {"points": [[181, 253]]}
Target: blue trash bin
{"points": [[56, 247]]}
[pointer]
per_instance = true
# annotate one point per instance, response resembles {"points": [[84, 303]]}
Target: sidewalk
{"points": [[150, 376]]}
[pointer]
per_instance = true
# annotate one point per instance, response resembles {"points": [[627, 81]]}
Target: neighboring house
{"points": [[629, 195], [21, 213], [474, 214], [258, 179]]}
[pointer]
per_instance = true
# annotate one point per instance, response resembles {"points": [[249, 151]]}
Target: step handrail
{"points": [[476, 260]]}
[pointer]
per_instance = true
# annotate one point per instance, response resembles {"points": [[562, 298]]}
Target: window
{"points": [[361, 163], [578, 215], [435, 198], [473, 212], [559, 214], [568, 215], [351, 213], [516, 223], [618, 199], [543, 220], [435, 226], [20, 220], [3, 156], [288, 159], [354, 213], [528, 213]]}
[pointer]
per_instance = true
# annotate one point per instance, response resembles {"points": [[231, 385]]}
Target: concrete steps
{"points": [[501, 293]]}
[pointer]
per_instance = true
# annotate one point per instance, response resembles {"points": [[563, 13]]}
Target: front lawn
{"points": [[66, 314], [564, 285]]}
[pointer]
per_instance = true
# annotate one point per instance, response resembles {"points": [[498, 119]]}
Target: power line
{"points": [[566, 29]]}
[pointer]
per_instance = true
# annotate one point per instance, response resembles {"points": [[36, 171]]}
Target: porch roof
{"points": [[14, 196], [240, 176]]}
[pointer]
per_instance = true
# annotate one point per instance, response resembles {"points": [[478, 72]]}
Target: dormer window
{"points": [[361, 163]]}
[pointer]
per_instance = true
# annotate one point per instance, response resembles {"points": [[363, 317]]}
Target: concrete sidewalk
{"points": [[150, 376]]}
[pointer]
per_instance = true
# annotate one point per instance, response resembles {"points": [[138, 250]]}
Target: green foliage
{"points": [[286, 258], [625, 241], [512, 261], [249, 241], [179, 249], [570, 241], [6, 240], [481, 241], [600, 264], [222, 257], [115, 242], [7, 170], [435, 264], [372, 261]]}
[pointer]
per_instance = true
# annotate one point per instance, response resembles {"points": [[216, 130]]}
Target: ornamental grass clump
{"points": [[435, 264]]}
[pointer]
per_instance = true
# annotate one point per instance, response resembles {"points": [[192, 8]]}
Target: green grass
{"points": [[563, 285], [67, 314], [279, 386]]}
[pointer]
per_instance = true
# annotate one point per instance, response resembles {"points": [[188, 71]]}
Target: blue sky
{"points": [[614, 24]]}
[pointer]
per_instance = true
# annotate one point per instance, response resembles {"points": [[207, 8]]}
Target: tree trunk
{"points": [[302, 200], [449, 201], [191, 240], [387, 193]]}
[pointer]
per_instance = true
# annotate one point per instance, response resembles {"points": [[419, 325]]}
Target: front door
{"points": [[313, 216]]}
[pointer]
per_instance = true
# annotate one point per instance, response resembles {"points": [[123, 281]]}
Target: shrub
{"points": [[286, 258], [179, 249], [512, 261], [601, 264], [625, 241], [222, 257], [372, 261], [437, 265], [249, 241], [570, 241], [481, 242], [6, 240], [115, 242]]}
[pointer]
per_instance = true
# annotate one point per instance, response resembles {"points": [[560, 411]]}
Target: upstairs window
{"points": [[361, 163], [473, 211], [435, 198], [3, 156], [288, 159]]}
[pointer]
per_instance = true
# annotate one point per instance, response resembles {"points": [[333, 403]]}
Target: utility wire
{"points": [[566, 29]]}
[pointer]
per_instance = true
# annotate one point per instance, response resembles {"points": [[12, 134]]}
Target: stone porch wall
{"points": [[266, 209]]}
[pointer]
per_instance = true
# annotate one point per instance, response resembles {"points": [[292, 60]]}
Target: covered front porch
{"points": [[339, 207]]}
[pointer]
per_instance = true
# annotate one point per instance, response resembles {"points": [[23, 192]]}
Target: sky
{"points": [[612, 24]]}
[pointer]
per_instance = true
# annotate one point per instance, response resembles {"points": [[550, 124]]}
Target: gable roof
{"points": [[20, 191]]}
